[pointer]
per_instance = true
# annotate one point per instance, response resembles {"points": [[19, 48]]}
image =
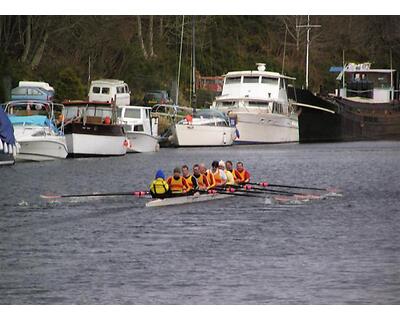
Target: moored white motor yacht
{"points": [[35, 130], [91, 129], [203, 129], [140, 128], [257, 102]]}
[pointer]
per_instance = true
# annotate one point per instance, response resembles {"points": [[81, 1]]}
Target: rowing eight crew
{"points": [[220, 174]]}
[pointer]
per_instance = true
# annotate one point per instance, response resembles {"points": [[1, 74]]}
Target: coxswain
{"points": [[201, 178], [190, 180], [176, 183], [219, 175], [242, 176], [159, 188], [230, 180]]}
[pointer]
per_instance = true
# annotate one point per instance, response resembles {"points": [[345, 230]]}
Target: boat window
{"points": [[71, 112], [132, 113], [33, 92], [105, 90], [228, 103], [19, 91], [103, 112], [260, 104], [120, 89], [138, 127], [230, 80], [126, 89], [96, 89], [251, 79], [269, 80]]}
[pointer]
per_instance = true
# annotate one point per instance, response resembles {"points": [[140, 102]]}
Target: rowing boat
{"points": [[187, 199]]}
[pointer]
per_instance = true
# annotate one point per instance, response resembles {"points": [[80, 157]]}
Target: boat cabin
{"points": [[89, 112], [111, 91], [137, 119], [359, 82]]}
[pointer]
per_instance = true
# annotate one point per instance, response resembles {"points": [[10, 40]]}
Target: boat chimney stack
{"points": [[260, 66]]}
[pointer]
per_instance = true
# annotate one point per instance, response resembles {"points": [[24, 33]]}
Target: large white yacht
{"points": [[35, 130], [257, 102], [140, 128]]}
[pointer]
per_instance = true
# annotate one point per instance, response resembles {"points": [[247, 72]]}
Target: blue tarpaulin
{"points": [[335, 69], [6, 128], [33, 120]]}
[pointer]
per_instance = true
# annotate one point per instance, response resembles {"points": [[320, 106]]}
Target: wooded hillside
{"points": [[144, 50]]}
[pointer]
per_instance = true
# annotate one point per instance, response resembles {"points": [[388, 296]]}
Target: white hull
{"points": [[184, 135], [186, 199], [142, 142], [266, 128], [95, 145], [42, 148]]}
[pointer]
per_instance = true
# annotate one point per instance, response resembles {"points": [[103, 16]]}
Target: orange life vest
{"points": [[176, 186], [241, 177], [189, 182], [211, 179], [217, 177], [202, 181]]}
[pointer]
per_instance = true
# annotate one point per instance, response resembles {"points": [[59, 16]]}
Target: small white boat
{"points": [[257, 102], [197, 197], [204, 129], [140, 128], [36, 132], [91, 129], [8, 144]]}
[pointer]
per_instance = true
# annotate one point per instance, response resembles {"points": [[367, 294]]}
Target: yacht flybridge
{"points": [[257, 102]]}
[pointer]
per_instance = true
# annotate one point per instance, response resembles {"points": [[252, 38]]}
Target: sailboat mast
{"points": [[308, 26], [193, 61], [180, 62]]}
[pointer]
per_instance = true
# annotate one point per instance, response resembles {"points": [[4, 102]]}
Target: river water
{"points": [[233, 251]]}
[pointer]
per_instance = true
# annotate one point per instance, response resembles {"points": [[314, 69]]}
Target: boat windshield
{"points": [[28, 109], [210, 114]]}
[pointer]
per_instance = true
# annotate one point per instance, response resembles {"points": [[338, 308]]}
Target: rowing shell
{"points": [[187, 199]]}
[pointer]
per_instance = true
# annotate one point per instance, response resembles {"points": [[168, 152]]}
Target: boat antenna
{"points": [[344, 66], [180, 61], [391, 74], [284, 50], [308, 26]]}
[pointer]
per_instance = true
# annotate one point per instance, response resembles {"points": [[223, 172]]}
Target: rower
{"points": [[190, 180], [159, 188], [230, 180], [201, 177], [219, 175], [210, 177], [177, 184], [229, 166], [242, 176]]}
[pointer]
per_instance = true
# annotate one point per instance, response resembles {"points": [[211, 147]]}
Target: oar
{"points": [[234, 193], [266, 184], [249, 188], [112, 194]]}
